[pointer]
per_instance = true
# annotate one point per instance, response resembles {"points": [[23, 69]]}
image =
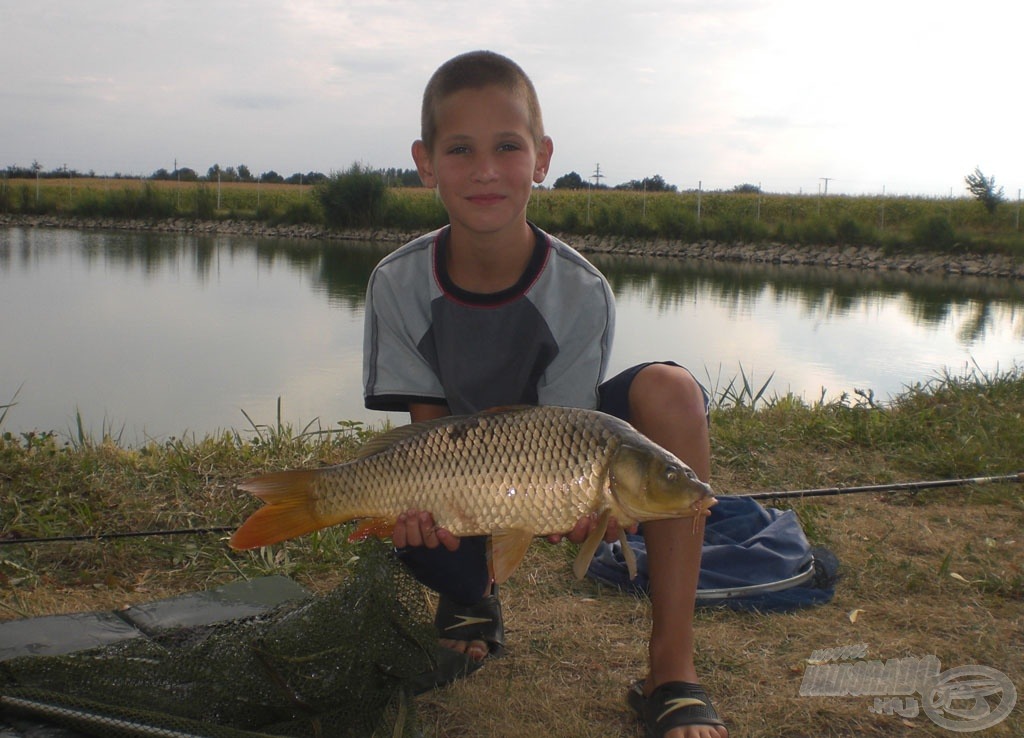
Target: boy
{"points": [[491, 311]]}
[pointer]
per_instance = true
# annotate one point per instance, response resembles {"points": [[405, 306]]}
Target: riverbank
{"points": [[875, 258], [936, 573]]}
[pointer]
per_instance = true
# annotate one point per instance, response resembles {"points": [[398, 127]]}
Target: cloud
{"points": [[691, 90], [257, 101]]}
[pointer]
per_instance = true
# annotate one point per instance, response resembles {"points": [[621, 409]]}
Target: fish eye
{"points": [[671, 474]]}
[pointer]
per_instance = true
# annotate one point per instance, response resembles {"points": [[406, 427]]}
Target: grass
{"points": [[937, 573]]}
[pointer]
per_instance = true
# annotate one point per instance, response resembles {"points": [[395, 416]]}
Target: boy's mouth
{"points": [[485, 199]]}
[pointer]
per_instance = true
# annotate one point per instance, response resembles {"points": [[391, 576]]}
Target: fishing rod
{"points": [[1017, 477], [892, 487], [118, 534]]}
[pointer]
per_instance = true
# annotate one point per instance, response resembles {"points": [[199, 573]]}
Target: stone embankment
{"points": [[846, 257]]}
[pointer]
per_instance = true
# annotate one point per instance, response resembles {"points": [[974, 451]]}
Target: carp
{"points": [[509, 473]]}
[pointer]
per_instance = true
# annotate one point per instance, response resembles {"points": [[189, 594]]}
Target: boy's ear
{"points": [[544, 152], [424, 166]]}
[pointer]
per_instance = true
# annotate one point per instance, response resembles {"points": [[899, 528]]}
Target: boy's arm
{"points": [[420, 411]]}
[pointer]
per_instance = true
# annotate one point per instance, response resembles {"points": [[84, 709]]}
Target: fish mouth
{"points": [[705, 503]]}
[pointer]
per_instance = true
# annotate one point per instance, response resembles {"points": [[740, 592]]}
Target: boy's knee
{"points": [[666, 387]]}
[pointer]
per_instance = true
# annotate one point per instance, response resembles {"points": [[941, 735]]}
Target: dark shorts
{"points": [[463, 575], [614, 393]]}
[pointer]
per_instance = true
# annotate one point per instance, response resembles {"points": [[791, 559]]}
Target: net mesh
{"points": [[339, 664]]}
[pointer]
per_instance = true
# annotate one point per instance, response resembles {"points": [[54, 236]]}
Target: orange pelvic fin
{"points": [[288, 513], [507, 549], [372, 528]]}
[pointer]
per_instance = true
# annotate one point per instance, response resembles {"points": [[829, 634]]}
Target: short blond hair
{"points": [[474, 70]]}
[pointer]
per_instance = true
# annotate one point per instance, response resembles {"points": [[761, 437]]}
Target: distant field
{"points": [[897, 222]]}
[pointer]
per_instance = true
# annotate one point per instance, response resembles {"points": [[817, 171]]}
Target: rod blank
{"points": [[893, 487]]}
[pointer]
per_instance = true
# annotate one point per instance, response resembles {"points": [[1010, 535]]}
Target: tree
{"points": [[984, 190], [570, 181], [648, 184]]}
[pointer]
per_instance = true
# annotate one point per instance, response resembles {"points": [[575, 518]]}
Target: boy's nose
{"points": [[484, 169]]}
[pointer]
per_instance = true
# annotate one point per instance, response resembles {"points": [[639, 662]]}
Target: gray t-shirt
{"points": [[546, 340]]}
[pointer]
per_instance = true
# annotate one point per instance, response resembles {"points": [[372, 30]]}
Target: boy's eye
{"points": [[458, 149], [508, 147]]}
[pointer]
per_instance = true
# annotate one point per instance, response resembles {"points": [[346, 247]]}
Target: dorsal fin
{"points": [[389, 438]]}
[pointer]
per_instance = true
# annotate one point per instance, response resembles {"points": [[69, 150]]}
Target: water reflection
{"points": [[821, 293], [163, 332]]}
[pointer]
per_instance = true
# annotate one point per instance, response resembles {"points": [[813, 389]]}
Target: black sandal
{"points": [[672, 705], [479, 622]]}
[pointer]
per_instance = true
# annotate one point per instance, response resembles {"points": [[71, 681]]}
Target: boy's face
{"points": [[485, 159]]}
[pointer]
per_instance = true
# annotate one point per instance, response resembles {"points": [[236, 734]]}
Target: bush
{"points": [[420, 213], [848, 231], [675, 223], [352, 199], [304, 211], [935, 233]]}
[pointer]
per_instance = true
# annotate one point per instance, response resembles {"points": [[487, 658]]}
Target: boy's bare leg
{"points": [[667, 405]]}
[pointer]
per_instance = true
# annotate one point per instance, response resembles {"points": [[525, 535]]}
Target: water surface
{"points": [[156, 335]]}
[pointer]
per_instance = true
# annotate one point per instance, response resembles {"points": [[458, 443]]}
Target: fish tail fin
{"points": [[289, 511]]}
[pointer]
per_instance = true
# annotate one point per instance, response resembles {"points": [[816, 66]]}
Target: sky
{"points": [[878, 96]]}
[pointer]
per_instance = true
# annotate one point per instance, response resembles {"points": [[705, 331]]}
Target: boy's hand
{"points": [[585, 525], [417, 528]]}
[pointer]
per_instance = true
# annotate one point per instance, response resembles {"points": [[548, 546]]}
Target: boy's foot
{"points": [[474, 630], [675, 708]]}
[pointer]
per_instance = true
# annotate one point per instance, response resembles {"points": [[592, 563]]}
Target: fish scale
{"points": [[485, 474]]}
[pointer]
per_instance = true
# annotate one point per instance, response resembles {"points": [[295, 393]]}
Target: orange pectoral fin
{"points": [[288, 512], [589, 547]]}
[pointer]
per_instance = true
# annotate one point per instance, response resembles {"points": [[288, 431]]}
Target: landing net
{"points": [[336, 665]]}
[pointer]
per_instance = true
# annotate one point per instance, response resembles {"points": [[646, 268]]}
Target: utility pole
{"points": [[826, 181], [597, 181]]}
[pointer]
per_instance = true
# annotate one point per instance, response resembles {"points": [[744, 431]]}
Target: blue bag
{"points": [[754, 558]]}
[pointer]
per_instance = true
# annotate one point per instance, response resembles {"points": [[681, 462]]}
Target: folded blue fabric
{"points": [[750, 555]]}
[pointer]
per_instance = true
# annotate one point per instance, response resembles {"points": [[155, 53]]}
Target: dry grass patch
{"points": [[575, 647]]}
